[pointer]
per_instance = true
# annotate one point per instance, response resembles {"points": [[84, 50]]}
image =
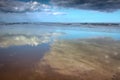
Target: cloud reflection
{"points": [[22, 39]]}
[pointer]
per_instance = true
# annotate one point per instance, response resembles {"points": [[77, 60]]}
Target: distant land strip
{"points": [[64, 24]]}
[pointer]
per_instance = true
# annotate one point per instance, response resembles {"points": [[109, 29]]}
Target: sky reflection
{"points": [[14, 35]]}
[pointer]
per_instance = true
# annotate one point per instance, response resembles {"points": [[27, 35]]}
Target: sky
{"points": [[65, 11]]}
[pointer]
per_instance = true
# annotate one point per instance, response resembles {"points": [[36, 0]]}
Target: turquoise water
{"points": [[72, 34], [61, 32]]}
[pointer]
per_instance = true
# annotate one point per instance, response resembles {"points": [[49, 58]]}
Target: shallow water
{"points": [[24, 46]]}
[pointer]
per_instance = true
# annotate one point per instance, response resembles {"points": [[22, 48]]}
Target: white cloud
{"points": [[58, 13], [20, 6]]}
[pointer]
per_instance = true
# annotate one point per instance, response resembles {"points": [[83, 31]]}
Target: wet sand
{"points": [[59, 53], [82, 59]]}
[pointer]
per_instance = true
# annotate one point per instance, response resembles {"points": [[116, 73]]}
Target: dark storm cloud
{"points": [[37, 5], [21, 6], [100, 5]]}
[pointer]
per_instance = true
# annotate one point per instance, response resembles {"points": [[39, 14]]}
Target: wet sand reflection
{"points": [[59, 53], [18, 62]]}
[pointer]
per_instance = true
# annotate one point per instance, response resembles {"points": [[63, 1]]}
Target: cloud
{"points": [[56, 13], [20, 6], [100, 5], [30, 6]]}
